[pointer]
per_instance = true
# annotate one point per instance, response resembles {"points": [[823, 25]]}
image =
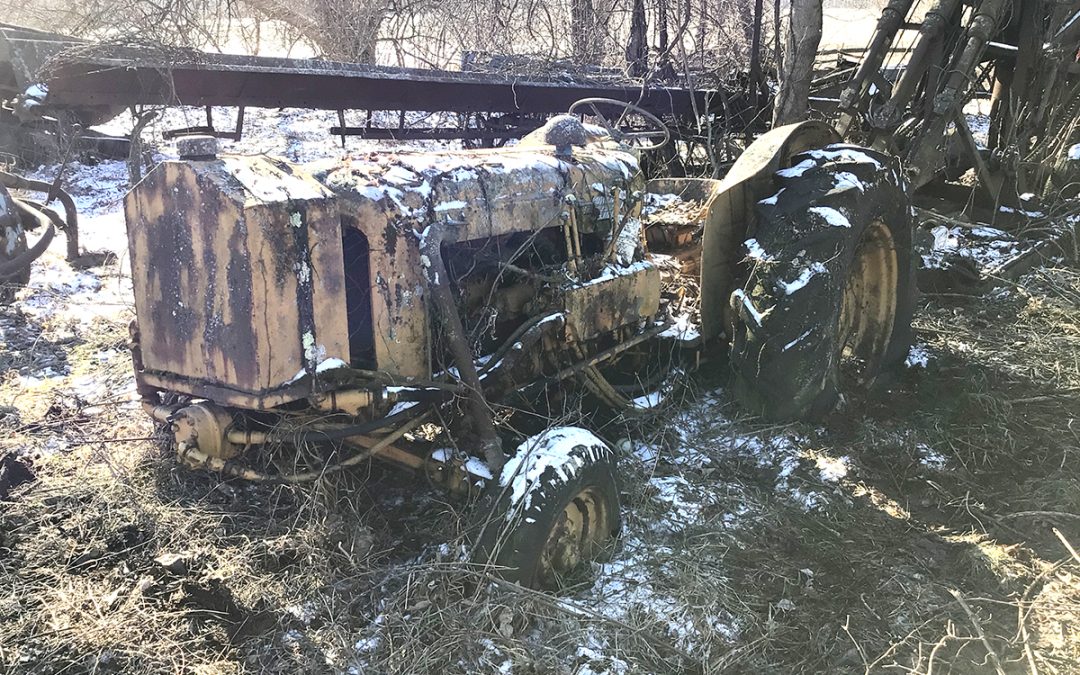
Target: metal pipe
{"points": [[933, 26], [892, 18], [923, 159], [158, 412], [17, 265], [351, 401], [70, 226], [199, 458], [318, 434], [571, 260], [980, 30]]}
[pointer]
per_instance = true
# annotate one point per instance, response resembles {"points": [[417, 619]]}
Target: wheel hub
{"points": [[579, 531], [868, 309]]}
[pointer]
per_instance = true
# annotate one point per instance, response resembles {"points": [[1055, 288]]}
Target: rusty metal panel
{"points": [[618, 298], [398, 289], [393, 197], [86, 74], [237, 272], [486, 193]]}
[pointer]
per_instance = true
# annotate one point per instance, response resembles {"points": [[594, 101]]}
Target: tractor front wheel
{"points": [[554, 506]]}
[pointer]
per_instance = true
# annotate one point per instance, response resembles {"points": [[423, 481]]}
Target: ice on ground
{"points": [[918, 356], [683, 329], [833, 469], [930, 458], [648, 401], [683, 502], [983, 246], [626, 589], [647, 453]]}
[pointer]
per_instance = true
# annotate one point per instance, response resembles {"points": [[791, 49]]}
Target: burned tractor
{"points": [[353, 302], [368, 302]]}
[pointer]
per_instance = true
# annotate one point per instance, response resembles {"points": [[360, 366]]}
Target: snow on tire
{"points": [[555, 505], [830, 293]]}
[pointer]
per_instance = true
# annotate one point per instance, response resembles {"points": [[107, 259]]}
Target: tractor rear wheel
{"points": [[830, 292]]}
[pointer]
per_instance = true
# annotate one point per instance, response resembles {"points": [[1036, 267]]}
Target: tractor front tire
{"points": [[554, 507], [830, 291]]}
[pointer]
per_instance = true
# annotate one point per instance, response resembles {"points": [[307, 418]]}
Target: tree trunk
{"points": [[665, 72], [637, 48], [582, 31], [755, 52], [801, 41]]}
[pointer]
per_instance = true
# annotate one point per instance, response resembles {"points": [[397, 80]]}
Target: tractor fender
{"points": [[731, 208]]}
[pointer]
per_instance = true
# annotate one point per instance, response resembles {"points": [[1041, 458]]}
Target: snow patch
{"points": [[918, 356], [755, 252], [830, 216], [552, 449], [800, 282]]}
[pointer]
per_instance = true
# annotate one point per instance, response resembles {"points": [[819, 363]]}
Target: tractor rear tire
{"points": [[830, 292]]}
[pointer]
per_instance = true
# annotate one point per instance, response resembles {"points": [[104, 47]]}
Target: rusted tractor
{"points": [[365, 303], [375, 301]]}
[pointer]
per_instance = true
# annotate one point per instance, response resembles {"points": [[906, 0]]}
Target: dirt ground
{"points": [[925, 528]]}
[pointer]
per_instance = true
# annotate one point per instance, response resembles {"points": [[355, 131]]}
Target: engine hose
{"points": [[509, 343], [70, 224], [17, 265], [235, 470]]}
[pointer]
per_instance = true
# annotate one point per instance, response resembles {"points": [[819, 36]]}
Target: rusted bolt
{"points": [[196, 147]]}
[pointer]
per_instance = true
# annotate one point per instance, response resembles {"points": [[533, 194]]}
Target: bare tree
{"points": [[801, 39], [637, 47]]}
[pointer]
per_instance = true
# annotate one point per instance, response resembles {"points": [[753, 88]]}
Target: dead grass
{"points": [[929, 547]]}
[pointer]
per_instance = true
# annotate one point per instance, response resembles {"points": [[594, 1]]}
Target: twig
{"points": [[130, 439], [1047, 514], [1021, 619], [1065, 541], [979, 630], [858, 647]]}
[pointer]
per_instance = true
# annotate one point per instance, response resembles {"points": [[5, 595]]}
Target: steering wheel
{"points": [[657, 128]]}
